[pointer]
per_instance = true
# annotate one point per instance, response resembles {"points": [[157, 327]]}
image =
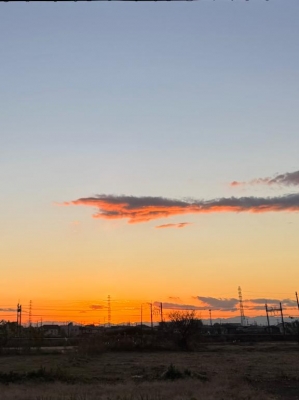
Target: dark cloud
{"points": [[176, 306], [96, 307], [142, 209], [289, 302], [261, 301], [223, 304], [287, 179], [286, 302], [179, 225], [255, 308]]}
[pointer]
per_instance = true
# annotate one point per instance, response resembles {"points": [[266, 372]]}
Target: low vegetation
{"points": [[222, 371], [178, 390]]}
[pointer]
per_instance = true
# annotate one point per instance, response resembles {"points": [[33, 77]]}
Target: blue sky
{"points": [[145, 99], [148, 92]]}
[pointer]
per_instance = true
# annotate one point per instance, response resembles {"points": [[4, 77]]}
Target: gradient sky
{"points": [[171, 100]]}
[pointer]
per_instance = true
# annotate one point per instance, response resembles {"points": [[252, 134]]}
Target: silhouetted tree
{"points": [[184, 325]]}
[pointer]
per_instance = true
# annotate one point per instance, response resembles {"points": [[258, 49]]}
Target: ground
{"points": [[236, 371]]}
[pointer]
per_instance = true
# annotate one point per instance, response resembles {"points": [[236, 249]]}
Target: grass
{"points": [[179, 390], [260, 371]]}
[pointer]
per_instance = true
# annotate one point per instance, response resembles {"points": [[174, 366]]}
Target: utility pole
{"points": [[161, 312], [297, 300], [109, 310], [282, 321], [267, 318], [19, 319], [29, 320], [210, 312], [275, 311], [30, 313], [141, 322], [151, 306], [141, 316]]}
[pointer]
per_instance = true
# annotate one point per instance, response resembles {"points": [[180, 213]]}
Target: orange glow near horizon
{"points": [[125, 312]]}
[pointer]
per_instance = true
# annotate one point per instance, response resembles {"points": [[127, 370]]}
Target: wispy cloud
{"points": [[142, 209], [287, 179], [179, 225]]}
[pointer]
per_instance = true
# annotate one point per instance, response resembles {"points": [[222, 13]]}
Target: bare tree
{"points": [[184, 324]]}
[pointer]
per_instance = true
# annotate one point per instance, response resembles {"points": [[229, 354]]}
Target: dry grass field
{"points": [[259, 371]]}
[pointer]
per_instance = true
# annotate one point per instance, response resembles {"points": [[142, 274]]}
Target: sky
{"points": [[148, 151]]}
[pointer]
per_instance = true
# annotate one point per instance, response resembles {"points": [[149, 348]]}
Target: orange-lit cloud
{"points": [[179, 225], [287, 179], [142, 209]]}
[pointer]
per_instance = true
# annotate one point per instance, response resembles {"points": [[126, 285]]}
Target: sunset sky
{"points": [[150, 152]]}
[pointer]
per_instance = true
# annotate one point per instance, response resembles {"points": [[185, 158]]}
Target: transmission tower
{"points": [[109, 310], [241, 306]]}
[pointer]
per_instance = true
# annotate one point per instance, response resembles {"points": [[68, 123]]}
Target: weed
{"points": [[172, 373]]}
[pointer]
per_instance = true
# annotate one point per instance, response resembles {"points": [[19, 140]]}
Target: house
{"points": [[51, 330], [71, 330], [91, 329]]}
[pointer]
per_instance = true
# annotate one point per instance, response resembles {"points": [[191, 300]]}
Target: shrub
{"points": [[172, 373], [92, 346]]}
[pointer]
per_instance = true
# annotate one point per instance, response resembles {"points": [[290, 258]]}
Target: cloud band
{"points": [[287, 179], [142, 209]]}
